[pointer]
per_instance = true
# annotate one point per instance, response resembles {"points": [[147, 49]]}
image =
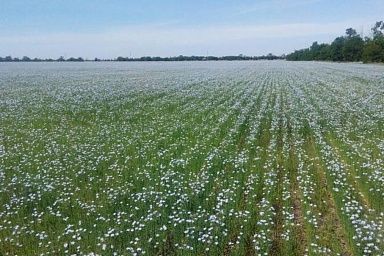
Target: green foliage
{"points": [[337, 49], [353, 48], [378, 29], [374, 50], [350, 47]]}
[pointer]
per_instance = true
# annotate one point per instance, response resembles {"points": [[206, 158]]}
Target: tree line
{"points": [[28, 59], [350, 47], [269, 56]]}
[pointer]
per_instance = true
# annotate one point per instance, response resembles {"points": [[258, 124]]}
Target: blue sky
{"points": [[102, 28]]}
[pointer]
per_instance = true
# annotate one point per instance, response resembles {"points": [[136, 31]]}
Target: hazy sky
{"points": [[111, 28]]}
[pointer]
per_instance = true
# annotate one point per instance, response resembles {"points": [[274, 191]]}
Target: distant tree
{"points": [[350, 47], [373, 52], [350, 32], [374, 48], [270, 56], [378, 29], [180, 58], [8, 58], [26, 58], [324, 52], [211, 58], [61, 58], [146, 58], [79, 59], [319, 52], [121, 58], [337, 49], [314, 51], [353, 46]]}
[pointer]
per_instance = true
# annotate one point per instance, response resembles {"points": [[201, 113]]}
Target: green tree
{"points": [[350, 47], [374, 48], [353, 46], [337, 49], [350, 32], [378, 29], [324, 52]]}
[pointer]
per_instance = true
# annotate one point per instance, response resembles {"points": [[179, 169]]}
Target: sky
{"points": [[111, 28]]}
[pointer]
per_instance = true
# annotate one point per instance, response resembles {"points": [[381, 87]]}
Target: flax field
{"points": [[191, 158]]}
